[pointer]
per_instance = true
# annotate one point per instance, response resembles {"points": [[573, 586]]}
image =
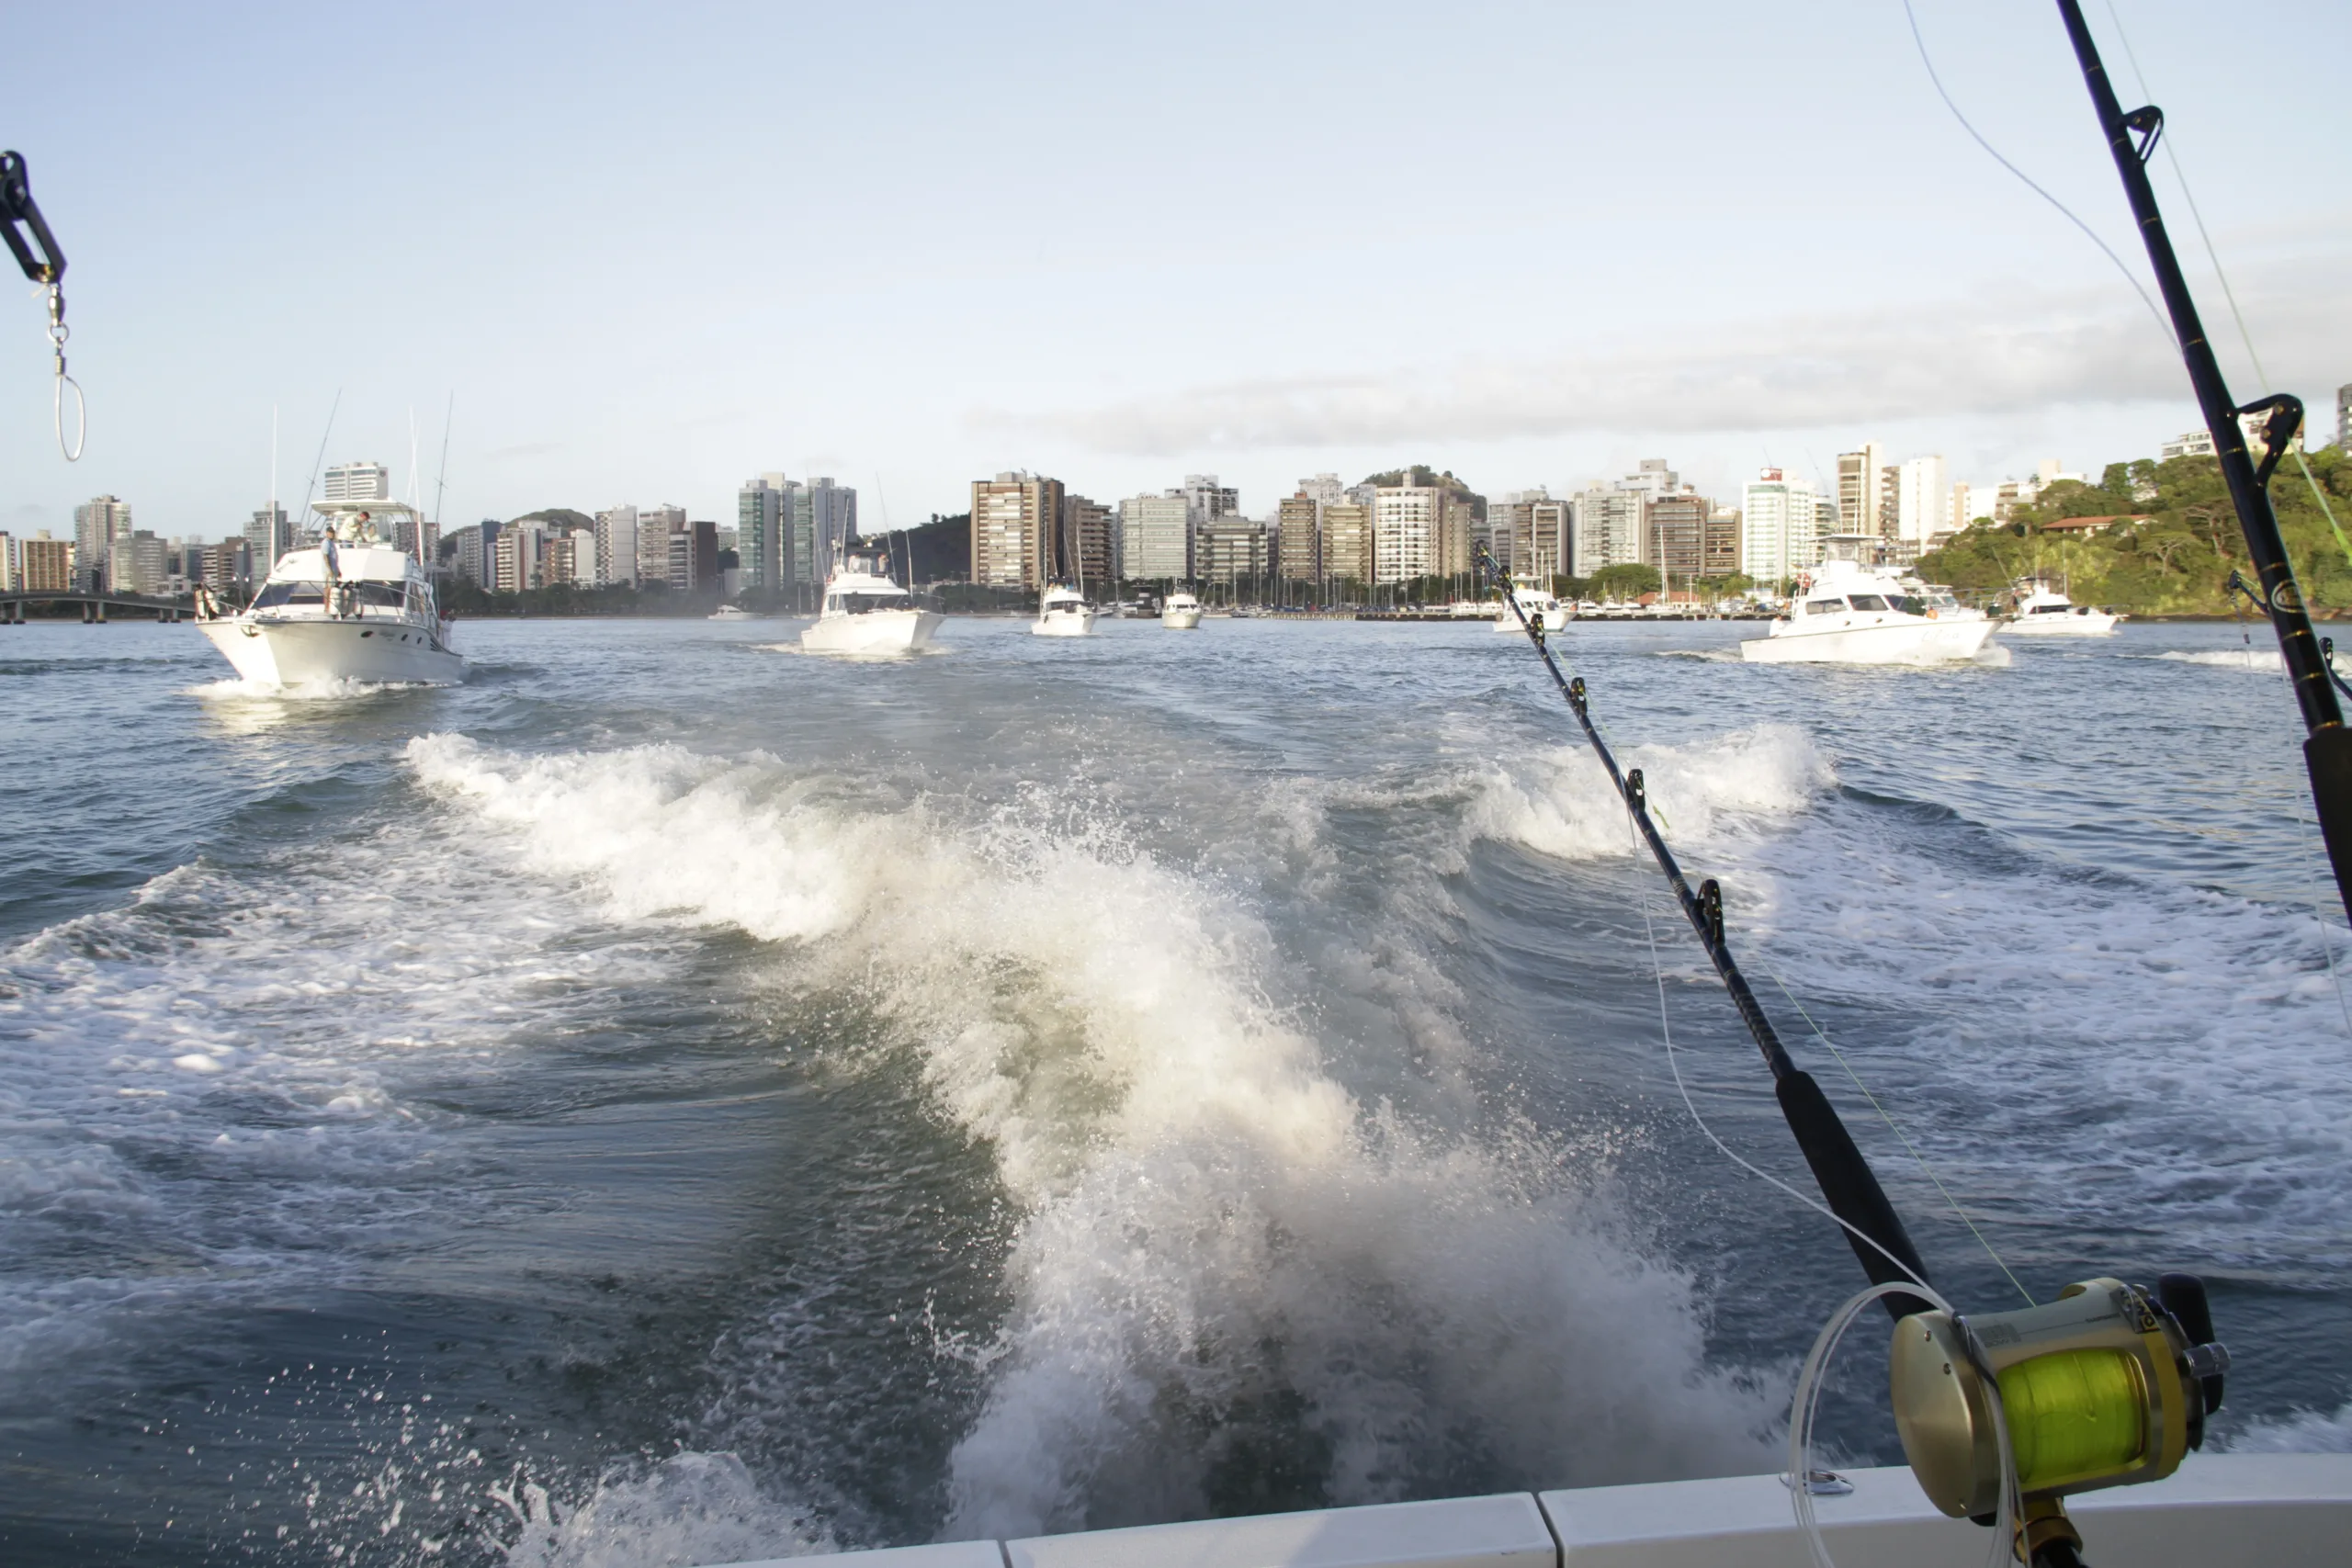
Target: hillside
{"points": [[2176, 562]]}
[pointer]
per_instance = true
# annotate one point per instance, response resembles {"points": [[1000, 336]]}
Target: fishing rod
{"points": [[2002, 1415], [2327, 746], [1874, 1229]]}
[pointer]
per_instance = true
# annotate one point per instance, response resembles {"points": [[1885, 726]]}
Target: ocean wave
{"points": [[1213, 1235]]}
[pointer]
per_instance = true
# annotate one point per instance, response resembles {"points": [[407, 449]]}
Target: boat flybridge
{"points": [[1062, 610], [1538, 604], [865, 612], [1180, 612], [1846, 612], [2043, 610], [348, 606]]}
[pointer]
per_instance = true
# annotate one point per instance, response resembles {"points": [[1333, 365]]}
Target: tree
{"points": [[1629, 580]]}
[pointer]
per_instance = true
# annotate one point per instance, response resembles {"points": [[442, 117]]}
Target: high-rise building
{"points": [[1678, 528], [694, 557], [1781, 526], [1155, 533], [1298, 523], [474, 554], [832, 524], [1968, 503], [45, 565], [1457, 529], [560, 561], [1861, 486], [97, 523], [2343, 418], [654, 527], [1325, 489], [228, 564], [1232, 549], [1206, 501], [1013, 518], [1723, 543], [1551, 539], [1607, 529], [1922, 505], [615, 546], [138, 564], [1085, 547], [267, 536], [358, 481], [516, 557], [760, 536], [1348, 554], [1408, 521]]}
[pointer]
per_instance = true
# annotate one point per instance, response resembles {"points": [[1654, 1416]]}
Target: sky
{"points": [[637, 256]]}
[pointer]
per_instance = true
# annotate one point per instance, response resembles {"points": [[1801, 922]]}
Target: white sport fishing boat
{"points": [[1846, 613], [351, 605], [1063, 612], [1180, 612], [1537, 604], [729, 612], [866, 613], [2043, 610]]}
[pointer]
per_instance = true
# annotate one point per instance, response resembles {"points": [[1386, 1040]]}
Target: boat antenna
{"points": [[440, 480], [2327, 746], [1845, 1177], [311, 488]]}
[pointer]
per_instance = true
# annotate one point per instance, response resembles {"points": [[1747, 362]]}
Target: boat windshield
{"points": [[863, 604], [276, 593], [2050, 609]]}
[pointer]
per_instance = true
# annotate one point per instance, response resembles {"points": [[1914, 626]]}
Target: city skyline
{"points": [[1317, 289]]}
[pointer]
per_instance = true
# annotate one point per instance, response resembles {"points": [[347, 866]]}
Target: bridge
{"points": [[95, 605]]}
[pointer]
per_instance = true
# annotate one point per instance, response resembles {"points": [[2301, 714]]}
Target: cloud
{"points": [[1794, 372]]}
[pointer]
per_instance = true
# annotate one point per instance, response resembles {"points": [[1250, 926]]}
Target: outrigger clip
{"points": [[2149, 121], [2286, 417], [1711, 909], [17, 213], [1576, 694]]}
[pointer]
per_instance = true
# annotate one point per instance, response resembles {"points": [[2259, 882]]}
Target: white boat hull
{"points": [[878, 631], [1554, 619], [1063, 623], [304, 653], [2073, 623], [1904, 642], [1181, 620]]}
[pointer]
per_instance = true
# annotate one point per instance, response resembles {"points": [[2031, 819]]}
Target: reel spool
{"points": [[2106, 1386]]}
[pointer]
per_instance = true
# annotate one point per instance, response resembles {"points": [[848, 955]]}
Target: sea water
{"points": [[674, 1100]]}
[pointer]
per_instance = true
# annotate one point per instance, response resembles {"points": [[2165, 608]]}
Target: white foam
{"points": [[2304, 1431], [693, 1507], [1562, 803], [329, 689], [1208, 1218]]}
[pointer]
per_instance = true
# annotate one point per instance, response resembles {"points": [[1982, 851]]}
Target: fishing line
{"points": [[2180, 177], [2128, 275], [1665, 1032]]}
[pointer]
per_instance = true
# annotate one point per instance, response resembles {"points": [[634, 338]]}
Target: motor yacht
{"points": [[2043, 610], [729, 612], [1180, 612], [349, 605], [1846, 613], [865, 612], [1063, 612], [1538, 604]]}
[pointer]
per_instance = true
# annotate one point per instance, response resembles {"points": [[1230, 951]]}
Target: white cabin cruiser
{"points": [[351, 607], [729, 612], [2043, 610], [1063, 612], [1846, 613], [1180, 612], [866, 613], [1539, 606]]}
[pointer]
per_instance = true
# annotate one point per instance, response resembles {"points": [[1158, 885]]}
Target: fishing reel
{"points": [[2109, 1385]]}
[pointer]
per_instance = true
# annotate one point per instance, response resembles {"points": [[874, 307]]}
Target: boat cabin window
{"points": [[861, 604], [1868, 601], [833, 603], [1905, 603], [1824, 606], [2050, 609], [276, 593], [390, 595]]}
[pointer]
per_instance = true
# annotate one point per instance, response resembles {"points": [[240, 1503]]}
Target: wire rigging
{"points": [[2128, 275]]}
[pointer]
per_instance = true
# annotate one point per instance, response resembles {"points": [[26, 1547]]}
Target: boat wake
{"points": [[1222, 1259], [333, 689]]}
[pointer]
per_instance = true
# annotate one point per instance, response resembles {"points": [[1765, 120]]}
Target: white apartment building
{"points": [[1406, 521], [2187, 444], [358, 481], [1968, 503], [1862, 488], [654, 527], [97, 523], [833, 523], [1014, 517], [1155, 532], [1779, 527], [1922, 501], [617, 546], [1607, 529]]}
